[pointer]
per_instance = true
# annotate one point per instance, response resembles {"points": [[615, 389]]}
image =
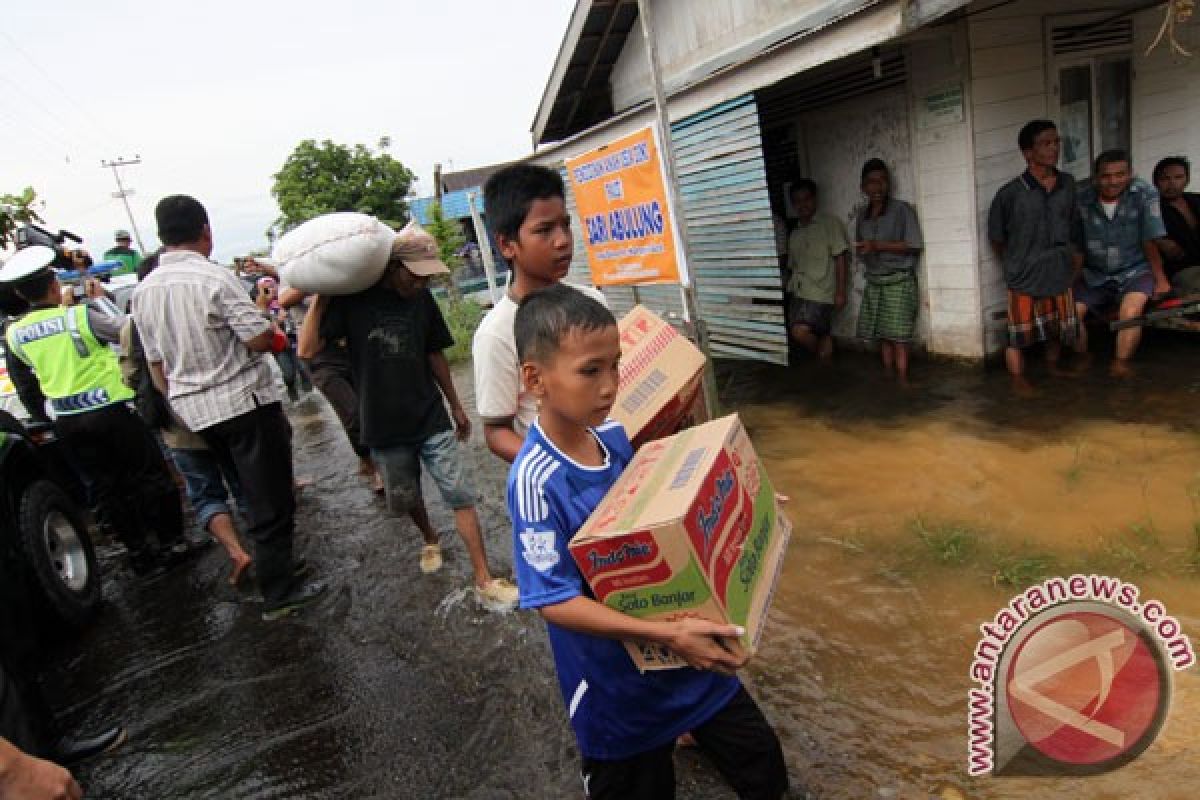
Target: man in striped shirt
{"points": [[205, 342]]}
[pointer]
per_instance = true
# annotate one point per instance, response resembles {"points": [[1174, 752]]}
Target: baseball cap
{"points": [[417, 248], [122, 234]]}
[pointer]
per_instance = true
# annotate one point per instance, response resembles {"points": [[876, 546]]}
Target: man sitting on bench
{"points": [[1181, 216], [1118, 220]]}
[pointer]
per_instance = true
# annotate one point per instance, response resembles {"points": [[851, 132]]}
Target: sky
{"points": [[214, 96]]}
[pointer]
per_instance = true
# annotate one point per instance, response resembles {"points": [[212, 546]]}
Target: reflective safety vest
{"points": [[76, 371]]}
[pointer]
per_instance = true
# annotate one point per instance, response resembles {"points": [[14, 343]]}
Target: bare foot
{"points": [[240, 565], [1081, 363], [302, 482], [1022, 387], [377, 483], [1120, 368]]}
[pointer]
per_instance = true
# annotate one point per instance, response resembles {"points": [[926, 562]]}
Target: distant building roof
{"points": [[470, 178]]}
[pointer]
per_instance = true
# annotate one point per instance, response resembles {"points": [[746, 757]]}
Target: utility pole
{"points": [[691, 305], [123, 194]]}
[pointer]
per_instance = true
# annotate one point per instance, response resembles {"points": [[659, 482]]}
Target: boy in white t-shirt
{"points": [[527, 212]]}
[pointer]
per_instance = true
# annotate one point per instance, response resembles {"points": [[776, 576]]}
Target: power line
{"points": [[35, 101], [37, 142], [96, 124]]}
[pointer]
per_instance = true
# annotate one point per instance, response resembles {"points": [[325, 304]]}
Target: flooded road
{"points": [[917, 515], [396, 685]]}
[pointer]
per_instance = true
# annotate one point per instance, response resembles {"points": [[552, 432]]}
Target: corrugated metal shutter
{"points": [[730, 234], [728, 216]]}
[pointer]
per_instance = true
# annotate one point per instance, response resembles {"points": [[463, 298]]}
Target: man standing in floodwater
{"points": [[888, 239], [1029, 226], [1117, 222], [818, 257]]}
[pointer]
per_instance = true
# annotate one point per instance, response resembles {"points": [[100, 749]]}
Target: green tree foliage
{"points": [[449, 235], [318, 178], [450, 239], [17, 210]]}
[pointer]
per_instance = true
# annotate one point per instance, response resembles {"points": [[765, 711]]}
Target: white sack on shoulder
{"points": [[340, 253]]}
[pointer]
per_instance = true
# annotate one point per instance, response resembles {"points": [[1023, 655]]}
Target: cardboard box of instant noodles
{"points": [[691, 529], [661, 370]]}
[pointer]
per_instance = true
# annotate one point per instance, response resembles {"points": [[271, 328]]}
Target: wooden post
{"points": [[691, 306]]}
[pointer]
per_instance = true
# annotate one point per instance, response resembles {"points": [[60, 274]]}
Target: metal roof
{"points": [[470, 178], [578, 93]]}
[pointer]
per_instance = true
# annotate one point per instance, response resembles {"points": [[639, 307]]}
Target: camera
{"points": [[30, 235]]}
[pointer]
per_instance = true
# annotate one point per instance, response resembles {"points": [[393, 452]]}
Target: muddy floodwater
{"points": [[918, 513]]}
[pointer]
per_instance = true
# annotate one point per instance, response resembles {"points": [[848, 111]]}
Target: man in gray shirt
{"points": [[1029, 226]]}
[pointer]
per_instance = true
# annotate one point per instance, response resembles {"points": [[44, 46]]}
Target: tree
{"points": [[319, 178], [450, 239], [17, 210]]}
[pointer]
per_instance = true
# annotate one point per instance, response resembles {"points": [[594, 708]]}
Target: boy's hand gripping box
{"points": [[691, 529], [660, 377]]}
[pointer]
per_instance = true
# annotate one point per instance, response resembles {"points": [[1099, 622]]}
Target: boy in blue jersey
{"points": [[626, 722]]}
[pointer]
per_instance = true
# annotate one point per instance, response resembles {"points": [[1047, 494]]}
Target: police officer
{"points": [[60, 353]]}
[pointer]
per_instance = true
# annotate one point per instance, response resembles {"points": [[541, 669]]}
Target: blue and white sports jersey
{"points": [[616, 711]]}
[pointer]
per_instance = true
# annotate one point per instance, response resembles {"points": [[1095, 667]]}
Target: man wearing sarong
{"points": [[887, 237], [1029, 226]]}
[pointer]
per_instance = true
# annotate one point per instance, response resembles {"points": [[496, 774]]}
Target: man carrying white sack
{"points": [[396, 334]]}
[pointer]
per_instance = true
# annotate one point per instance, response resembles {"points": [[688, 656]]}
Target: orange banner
{"points": [[624, 212]]}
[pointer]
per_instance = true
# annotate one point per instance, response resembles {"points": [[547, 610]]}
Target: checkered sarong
{"points": [[889, 307]]}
